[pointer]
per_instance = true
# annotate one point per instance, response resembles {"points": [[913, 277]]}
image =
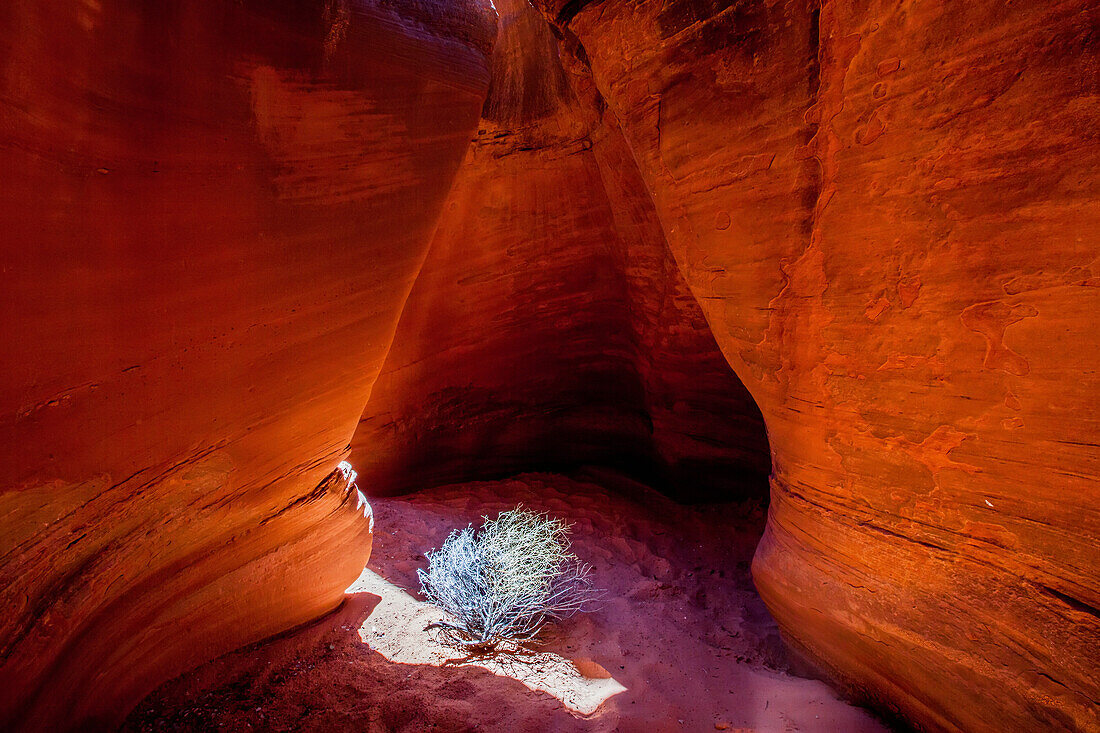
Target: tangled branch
{"points": [[502, 583]]}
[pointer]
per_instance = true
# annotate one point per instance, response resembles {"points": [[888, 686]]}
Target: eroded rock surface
{"points": [[888, 212], [212, 214], [549, 326], [885, 213]]}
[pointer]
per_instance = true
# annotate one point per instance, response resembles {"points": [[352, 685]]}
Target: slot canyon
{"points": [[791, 308]]}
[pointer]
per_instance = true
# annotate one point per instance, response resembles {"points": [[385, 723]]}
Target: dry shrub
{"points": [[502, 583]]}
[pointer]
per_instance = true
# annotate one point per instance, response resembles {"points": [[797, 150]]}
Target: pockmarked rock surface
{"points": [[212, 214], [550, 326], [889, 214]]}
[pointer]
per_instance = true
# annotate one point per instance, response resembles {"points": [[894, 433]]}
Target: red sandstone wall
{"points": [[549, 326], [211, 214], [888, 212]]}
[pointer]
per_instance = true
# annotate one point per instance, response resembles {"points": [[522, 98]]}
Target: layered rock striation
{"points": [[212, 215], [549, 326], [888, 213], [218, 217]]}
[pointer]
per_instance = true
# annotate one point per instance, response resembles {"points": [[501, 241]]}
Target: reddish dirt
{"points": [[681, 627]]}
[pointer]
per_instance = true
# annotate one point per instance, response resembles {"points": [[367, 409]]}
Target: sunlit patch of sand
{"points": [[396, 630]]}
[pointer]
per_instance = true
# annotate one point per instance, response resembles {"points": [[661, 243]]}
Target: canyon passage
{"points": [[788, 308]]}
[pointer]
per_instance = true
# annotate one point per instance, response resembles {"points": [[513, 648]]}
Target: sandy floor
{"points": [[681, 629], [398, 629]]}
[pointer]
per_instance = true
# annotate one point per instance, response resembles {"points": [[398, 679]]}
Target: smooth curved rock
{"points": [[549, 326], [888, 213], [212, 214]]}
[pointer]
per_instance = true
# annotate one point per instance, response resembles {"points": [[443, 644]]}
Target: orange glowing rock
{"points": [[931, 207], [212, 214]]}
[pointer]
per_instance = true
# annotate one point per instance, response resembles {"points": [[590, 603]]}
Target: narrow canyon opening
{"points": [[549, 355], [788, 307]]}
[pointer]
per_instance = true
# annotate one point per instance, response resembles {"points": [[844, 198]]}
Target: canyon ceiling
{"points": [[244, 241]]}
